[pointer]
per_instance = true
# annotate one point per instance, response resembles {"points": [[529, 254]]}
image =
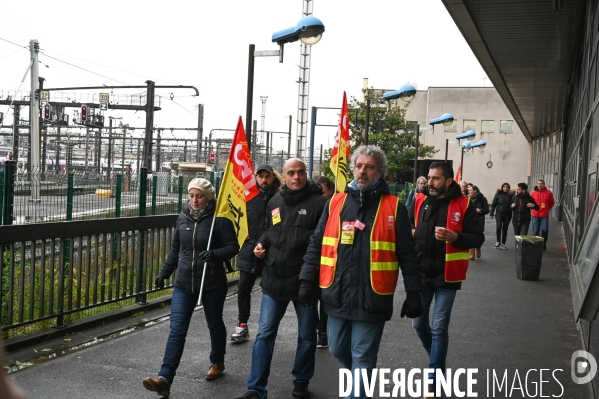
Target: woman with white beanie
{"points": [[189, 255]]}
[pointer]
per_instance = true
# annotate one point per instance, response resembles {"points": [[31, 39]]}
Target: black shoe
{"points": [[250, 395], [300, 389], [544, 247], [322, 342]]}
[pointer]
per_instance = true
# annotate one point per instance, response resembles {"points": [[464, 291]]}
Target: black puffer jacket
{"points": [[256, 209], [351, 295], [432, 251], [502, 202], [286, 240], [189, 240], [480, 202], [521, 212]]}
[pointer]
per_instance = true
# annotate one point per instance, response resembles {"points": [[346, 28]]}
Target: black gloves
{"points": [[412, 307], [308, 293], [206, 256], [159, 281]]}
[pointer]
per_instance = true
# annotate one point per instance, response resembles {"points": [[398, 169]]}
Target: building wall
{"points": [[509, 152]]}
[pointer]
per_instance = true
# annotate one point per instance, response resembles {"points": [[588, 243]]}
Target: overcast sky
{"points": [[205, 44]]}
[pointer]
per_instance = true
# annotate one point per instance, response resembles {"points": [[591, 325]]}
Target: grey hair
{"points": [[371, 151], [421, 178]]}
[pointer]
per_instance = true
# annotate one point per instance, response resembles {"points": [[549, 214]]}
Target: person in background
{"points": [[293, 216], [464, 187], [522, 205], [189, 255], [482, 208], [328, 189], [501, 208], [362, 240], [418, 188], [540, 218], [249, 266], [445, 225]]}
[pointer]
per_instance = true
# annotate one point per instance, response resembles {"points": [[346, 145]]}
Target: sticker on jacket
{"points": [[276, 216], [347, 233]]}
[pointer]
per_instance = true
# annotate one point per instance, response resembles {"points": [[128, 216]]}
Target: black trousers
{"points": [[521, 230], [322, 319], [503, 222], [244, 295]]}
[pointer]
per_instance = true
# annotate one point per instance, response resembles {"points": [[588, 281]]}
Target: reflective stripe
{"points": [[457, 256], [384, 266], [326, 261], [328, 241], [382, 245]]}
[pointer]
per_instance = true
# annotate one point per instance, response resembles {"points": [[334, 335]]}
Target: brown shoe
{"points": [[158, 385], [430, 389], [478, 254], [471, 257], [215, 371]]}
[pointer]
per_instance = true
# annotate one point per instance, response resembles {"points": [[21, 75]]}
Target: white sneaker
{"points": [[497, 244], [502, 246], [241, 333]]}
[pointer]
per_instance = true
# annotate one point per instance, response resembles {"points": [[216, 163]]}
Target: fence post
{"points": [[117, 214], [9, 190], [154, 188], [2, 184], [67, 244], [180, 202], [141, 259]]}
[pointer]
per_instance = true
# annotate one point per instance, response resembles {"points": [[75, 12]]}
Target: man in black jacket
{"points": [[361, 241], [445, 224], [249, 266], [292, 218], [522, 205]]}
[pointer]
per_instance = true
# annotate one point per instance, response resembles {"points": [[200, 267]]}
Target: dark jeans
{"points": [[521, 230], [322, 319], [244, 295], [503, 222], [182, 306]]}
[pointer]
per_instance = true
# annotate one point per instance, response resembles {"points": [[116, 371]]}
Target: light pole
{"points": [[111, 118], [467, 145], [308, 30]]}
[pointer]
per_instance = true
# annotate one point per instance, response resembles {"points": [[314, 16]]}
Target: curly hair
{"points": [[372, 151]]}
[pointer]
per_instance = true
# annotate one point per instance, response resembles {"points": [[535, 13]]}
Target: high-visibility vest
{"points": [[384, 267], [456, 259]]}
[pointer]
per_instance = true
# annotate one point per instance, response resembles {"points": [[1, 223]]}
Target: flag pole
{"points": [[207, 249]]}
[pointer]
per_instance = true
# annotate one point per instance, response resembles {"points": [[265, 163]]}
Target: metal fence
{"points": [[66, 270], [33, 197]]}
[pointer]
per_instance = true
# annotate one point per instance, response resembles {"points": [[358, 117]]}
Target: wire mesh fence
{"points": [[42, 197]]}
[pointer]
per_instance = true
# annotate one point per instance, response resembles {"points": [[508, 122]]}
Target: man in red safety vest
{"points": [[362, 240], [446, 227]]}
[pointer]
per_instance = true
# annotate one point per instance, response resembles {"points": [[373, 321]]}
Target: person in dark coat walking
{"points": [[248, 265], [446, 223], [356, 291], [482, 208], [522, 206], [501, 209], [418, 187], [189, 256], [292, 218]]}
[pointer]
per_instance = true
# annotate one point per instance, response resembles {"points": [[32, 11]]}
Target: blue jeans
{"points": [[355, 344], [182, 306], [271, 313], [435, 337], [542, 225]]}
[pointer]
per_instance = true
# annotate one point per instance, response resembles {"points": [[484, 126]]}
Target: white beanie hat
{"points": [[204, 186]]}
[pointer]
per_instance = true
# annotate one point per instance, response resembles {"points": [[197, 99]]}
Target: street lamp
{"points": [[406, 93], [466, 146], [308, 30], [446, 120]]}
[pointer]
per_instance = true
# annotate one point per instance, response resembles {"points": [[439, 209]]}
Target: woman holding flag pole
{"points": [[207, 234]]}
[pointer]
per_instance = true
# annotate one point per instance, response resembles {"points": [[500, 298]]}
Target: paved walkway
{"points": [[500, 324]]}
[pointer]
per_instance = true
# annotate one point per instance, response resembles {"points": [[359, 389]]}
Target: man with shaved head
{"points": [[291, 219]]}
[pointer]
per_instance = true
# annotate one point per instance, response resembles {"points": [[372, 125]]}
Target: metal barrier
{"points": [[54, 271]]}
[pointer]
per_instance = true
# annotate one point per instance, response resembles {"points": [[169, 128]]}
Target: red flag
{"points": [[341, 151], [238, 185], [458, 175]]}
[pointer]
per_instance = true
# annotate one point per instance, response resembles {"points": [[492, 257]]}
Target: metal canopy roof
{"points": [[527, 48]]}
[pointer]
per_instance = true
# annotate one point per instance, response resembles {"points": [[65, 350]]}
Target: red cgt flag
{"points": [[341, 151]]}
